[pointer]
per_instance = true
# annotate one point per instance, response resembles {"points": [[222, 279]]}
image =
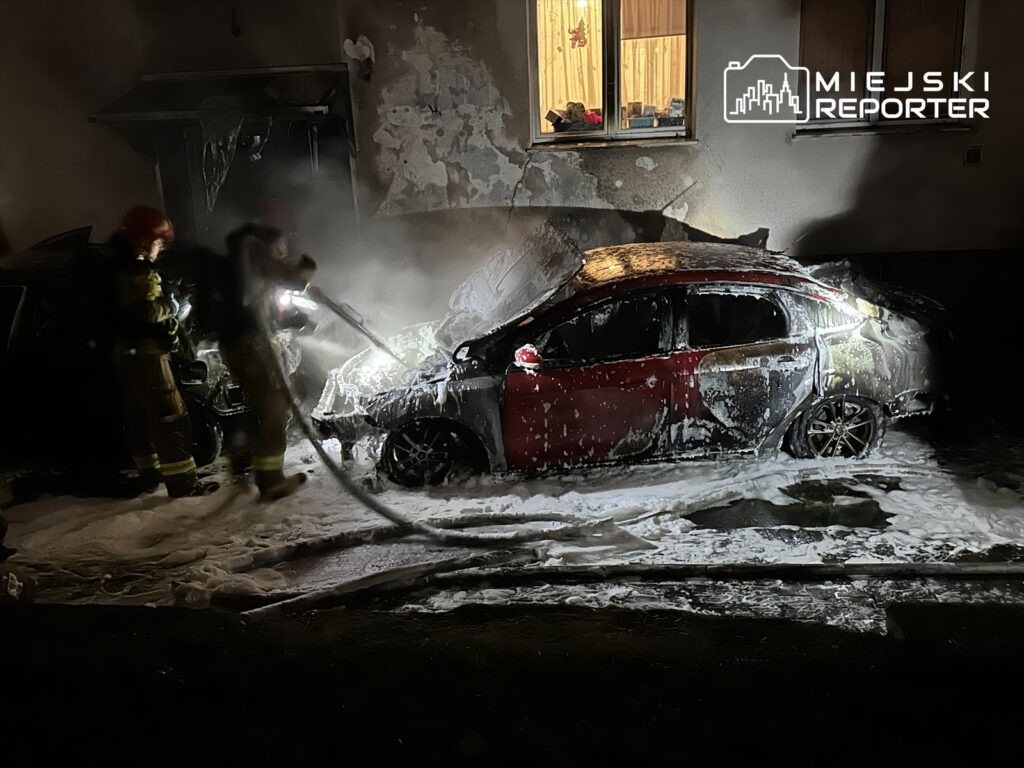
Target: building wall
{"points": [[443, 126], [59, 61], [444, 123]]}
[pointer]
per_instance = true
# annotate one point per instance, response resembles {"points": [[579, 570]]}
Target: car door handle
{"points": [[787, 359]]}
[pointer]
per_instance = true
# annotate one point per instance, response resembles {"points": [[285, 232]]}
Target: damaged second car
{"points": [[554, 358]]}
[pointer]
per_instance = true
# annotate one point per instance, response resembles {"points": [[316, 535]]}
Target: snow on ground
{"points": [[156, 551]]}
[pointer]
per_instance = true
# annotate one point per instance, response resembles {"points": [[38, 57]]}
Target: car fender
{"points": [[471, 403], [776, 439], [870, 365]]}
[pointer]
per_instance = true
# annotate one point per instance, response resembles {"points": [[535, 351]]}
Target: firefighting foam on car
{"points": [[552, 357]]}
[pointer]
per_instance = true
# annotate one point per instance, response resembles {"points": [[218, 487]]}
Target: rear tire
{"points": [[842, 427]]}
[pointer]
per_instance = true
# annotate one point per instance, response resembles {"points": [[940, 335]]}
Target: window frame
{"points": [[612, 26], [876, 63], [729, 290], [562, 317]]}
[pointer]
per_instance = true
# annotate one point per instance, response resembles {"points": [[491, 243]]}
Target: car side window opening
{"points": [[623, 329], [726, 320]]}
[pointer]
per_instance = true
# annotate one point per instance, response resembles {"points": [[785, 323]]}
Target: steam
{"points": [[402, 271]]}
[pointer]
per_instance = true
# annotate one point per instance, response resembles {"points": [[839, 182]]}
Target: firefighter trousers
{"points": [[256, 366], [156, 420]]}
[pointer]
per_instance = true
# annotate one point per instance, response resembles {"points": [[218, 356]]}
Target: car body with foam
{"points": [[636, 353]]}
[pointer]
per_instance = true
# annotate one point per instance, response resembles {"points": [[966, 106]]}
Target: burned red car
{"points": [[645, 352]]}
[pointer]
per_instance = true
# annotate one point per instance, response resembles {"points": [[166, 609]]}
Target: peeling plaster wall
{"points": [[441, 140], [59, 62]]}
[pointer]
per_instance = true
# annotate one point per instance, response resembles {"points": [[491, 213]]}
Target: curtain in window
{"points": [[654, 70], [567, 72], [653, 18], [653, 52], [922, 36]]}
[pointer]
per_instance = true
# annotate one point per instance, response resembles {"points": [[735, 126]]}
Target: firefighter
{"points": [[232, 291], [144, 331]]}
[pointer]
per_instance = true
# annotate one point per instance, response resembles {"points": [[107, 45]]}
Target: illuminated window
{"points": [[643, 43]]}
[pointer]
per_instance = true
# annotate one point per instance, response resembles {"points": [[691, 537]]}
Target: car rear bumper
{"points": [[911, 403]]}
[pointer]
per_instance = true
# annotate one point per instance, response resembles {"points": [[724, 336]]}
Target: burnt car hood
{"points": [[512, 281]]}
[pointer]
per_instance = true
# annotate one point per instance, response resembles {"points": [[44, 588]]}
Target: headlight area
{"points": [[341, 411], [295, 299], [347, 428]]}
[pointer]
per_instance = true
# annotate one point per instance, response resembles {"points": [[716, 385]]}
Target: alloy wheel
{"points": [[421, 454], [842, 427]]}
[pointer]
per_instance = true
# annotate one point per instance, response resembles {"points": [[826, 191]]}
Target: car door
{"points": [[602, 391], [739, 373]]}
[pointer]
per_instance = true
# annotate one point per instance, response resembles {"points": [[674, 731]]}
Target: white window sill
{"points": [[851, 128], [575, 143]]}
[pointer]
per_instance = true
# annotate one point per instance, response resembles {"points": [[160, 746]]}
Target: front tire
{"points": [[425, 453], [842, 427]]}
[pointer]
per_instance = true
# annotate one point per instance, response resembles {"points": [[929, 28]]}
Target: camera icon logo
{"points": [[766, 89]]}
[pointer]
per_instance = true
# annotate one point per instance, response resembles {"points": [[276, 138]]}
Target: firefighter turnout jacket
{"points": [[143, 332]]}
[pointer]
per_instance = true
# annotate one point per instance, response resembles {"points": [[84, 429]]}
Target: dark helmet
{"points": [[143, 225]]}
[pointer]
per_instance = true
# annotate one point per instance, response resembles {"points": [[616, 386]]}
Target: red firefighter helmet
{"points": [[143, 225]]}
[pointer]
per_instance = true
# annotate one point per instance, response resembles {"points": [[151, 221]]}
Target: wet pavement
{"points": [[734, 514], [818, 504]]}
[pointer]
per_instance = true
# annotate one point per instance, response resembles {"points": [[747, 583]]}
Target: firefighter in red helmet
{"points": [[144, 334]]}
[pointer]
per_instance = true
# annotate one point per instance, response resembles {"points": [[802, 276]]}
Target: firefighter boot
{"points": [[149, 479], [204, 488], [286, 486]]}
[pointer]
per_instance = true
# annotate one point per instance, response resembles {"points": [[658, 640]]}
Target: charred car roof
{"points": [[619, 263], [605, 271]]}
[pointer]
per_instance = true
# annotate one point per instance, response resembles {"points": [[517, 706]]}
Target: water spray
{"points": [[354, 319]]}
